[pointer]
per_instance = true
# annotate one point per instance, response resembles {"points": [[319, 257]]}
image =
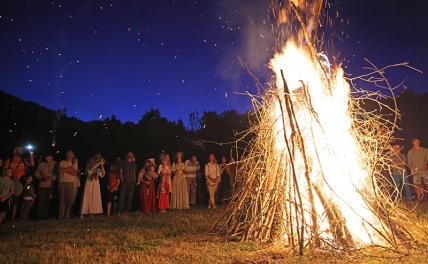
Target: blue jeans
{"points": [[400, 183]]}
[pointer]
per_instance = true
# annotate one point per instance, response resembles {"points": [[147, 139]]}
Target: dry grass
{"points": [[176, 237]]}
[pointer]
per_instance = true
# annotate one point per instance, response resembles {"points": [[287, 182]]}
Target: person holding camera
{"points": [[91, 200]]}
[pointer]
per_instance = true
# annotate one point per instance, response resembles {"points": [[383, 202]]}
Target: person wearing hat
{"points": [[46, 175]]}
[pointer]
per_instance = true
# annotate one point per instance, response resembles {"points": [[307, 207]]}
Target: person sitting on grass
{"points": [[28, 196], [163, 195], [7, 190]]}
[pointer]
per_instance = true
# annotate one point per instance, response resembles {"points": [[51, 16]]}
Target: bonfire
{"points": [[314, 173]]}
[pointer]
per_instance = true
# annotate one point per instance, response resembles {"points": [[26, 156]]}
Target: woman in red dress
{"points": [[163, 195], [146, 180]]}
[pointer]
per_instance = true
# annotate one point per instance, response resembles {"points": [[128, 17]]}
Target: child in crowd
{"points": [[163, 195], [113, 188], [7, 190], [28, 196]]}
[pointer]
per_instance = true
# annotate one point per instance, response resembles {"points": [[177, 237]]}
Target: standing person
{"points": [[68, 183], [212, 174], [46, 174], [163, 195], [225, 180], [28, 196], [113, 187], [192, 169], [7, 189], [179, 194], [231, 170], [128, 178], [146, 180], [398, 174], [164, 171], [417, 159], [20, 166], [91, 199]]}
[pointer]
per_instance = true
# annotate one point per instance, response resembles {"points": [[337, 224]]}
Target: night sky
{"points": [[122, 57]]}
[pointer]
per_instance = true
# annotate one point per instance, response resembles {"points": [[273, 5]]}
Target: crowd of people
{"points": [[27, 190], [410, 172], [52, 188]]}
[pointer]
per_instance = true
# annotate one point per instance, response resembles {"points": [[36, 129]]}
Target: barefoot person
{"points": [[91, 200], [417, 159], [212, 173]]}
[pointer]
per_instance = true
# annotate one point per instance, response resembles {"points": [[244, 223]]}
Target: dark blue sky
{"points": [[122, 57]]}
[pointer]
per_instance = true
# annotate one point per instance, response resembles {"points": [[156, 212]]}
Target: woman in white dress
{"points": [[179, 195], [91, 200]]}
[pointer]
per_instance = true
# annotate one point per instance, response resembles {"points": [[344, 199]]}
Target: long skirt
{"points": [[91, 201], [179, 195], [147, 197]]}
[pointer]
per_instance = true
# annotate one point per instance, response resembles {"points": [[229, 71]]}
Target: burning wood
{"points": [[312, 174]]}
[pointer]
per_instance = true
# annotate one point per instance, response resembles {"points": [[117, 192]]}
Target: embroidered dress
{"points": [[179, 195], [147, 194], [91, 202], [163, 193]]}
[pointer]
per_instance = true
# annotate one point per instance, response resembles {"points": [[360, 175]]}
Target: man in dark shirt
{"points": [[128, 179]]}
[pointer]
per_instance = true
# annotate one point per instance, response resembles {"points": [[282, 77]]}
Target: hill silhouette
{"points": [[54, 131]]}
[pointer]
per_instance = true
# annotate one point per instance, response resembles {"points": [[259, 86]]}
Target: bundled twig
{"points": [[283, 189]]}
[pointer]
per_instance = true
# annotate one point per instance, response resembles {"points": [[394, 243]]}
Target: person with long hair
{"points": [[146, 180], [164, 171], [91, 200], [179, 193], [163, 195]]}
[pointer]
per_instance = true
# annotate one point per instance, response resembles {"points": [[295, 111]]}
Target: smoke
{"points": [[254, 41]]}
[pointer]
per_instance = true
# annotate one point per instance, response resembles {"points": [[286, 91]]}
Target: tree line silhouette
{"points": [[52, 131], [55, 132]]}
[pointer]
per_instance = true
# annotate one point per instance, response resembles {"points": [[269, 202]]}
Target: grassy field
{"points": [[174, 237]]}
